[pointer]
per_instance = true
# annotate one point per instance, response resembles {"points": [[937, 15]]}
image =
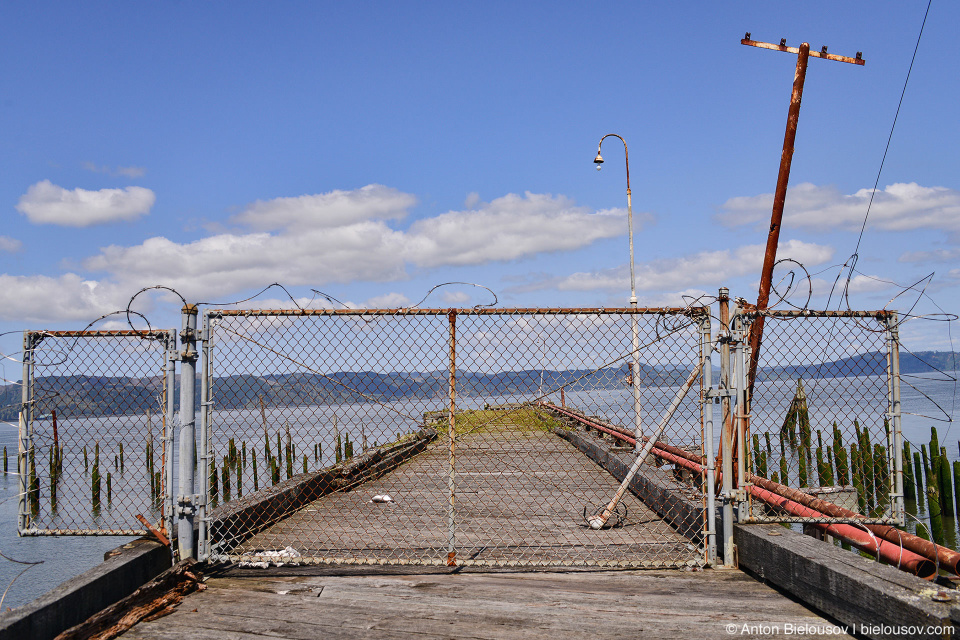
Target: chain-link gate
{"points": [[825, 413], [447, 437], [95, 434]]}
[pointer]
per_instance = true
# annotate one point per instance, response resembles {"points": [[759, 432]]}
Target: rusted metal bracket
{"points": [[164, 540], [813, 54]]}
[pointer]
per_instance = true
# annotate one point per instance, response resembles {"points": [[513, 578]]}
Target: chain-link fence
{"points": [[824, 414], [433, 437], [95, 432], [469, 437]]}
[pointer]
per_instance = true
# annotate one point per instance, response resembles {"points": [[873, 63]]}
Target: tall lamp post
{"points": [[635, 358]]}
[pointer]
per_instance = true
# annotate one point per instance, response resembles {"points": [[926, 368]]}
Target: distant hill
{"points": [[867, 364], [90, 395]]}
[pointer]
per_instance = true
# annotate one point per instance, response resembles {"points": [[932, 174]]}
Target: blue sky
{"points": [[372, 150]]}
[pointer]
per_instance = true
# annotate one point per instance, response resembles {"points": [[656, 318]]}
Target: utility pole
{"points": [[793, 116]]}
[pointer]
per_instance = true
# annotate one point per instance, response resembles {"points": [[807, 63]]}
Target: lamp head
{"points": [[598, 161]]}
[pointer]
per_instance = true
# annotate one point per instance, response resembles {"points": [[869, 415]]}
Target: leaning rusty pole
{"points": [[599, 519], [783, 179]]}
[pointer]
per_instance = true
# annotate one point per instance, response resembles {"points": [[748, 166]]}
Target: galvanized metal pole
{"points": [[710, 529], [24, 438], [783, 178], [893, 375], [742, 416], [188, 434], [452, 437], [635, 342], [169, 504], [726, 437], [203, 457]]}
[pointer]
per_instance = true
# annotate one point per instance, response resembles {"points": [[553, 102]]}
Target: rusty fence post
{"points": [[170, 373], [452, 436], [24, 430], [894, 433], [706, 402], [726, 436]]}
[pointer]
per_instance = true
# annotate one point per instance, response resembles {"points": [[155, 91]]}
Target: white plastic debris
{"points": [[382, 498], [265, 558]]}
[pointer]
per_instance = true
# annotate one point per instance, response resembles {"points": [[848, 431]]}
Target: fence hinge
{"points": [[718, 393], [187, 505]]}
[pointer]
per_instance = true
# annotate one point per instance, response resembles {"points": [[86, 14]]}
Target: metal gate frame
{"points": [[697, 317], [733, 368], [26, 430]]}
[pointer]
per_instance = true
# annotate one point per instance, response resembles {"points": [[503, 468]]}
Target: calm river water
{"points": [[66, 557]]}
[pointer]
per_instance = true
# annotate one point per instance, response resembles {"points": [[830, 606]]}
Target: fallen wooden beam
{"points": [[153, 600]]}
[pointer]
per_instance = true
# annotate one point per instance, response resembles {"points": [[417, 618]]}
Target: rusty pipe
{"points": [[892, 553], [946, 558]]}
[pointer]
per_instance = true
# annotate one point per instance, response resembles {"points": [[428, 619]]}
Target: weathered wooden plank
{"points": [[520, 497], [235, 521], [648, 604], [854, 590]]}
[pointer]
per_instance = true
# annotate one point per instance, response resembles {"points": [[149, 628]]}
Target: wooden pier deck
{"points": [[650, 604], [520, 495]]}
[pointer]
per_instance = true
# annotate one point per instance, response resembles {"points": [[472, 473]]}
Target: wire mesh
{"points": [[821, 412], [423, 437], [93, 432]]}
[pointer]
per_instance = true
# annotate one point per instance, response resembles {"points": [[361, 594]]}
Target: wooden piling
{"points": [[843, 465], [933, 508], [53, 480], [214, 489], [109, 490], [909, 489], [95, 481], [256, 479], [956, 484], [225, 478], [946, 484], [918, 475], [802, 457]]}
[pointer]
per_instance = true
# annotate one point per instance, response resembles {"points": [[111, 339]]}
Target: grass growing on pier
{"points": [[524, 420]]}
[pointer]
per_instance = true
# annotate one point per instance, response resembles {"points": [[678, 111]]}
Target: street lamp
{"points": [[634, 364]]}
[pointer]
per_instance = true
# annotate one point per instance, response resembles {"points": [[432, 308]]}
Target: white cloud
{"points": [[696, 270], [340, 237], [47, 203], [897, 207], [67, 297], [229, 263], [129, 172], [509, 228], [455, 297], [327, 210], [10, 245], [936, 255], [386, 301]]}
